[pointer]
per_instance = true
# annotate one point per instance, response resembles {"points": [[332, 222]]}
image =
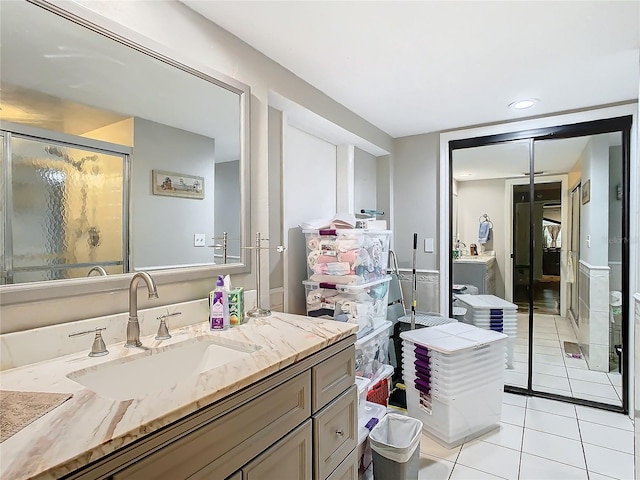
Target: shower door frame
{"points": [[620, 124], [7, 132]]}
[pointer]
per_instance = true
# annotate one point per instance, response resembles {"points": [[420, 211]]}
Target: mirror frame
{"points": [[83, 16]]}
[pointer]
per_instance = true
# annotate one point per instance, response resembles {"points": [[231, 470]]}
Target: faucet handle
{"points": [[163, 331], [98, 349]]}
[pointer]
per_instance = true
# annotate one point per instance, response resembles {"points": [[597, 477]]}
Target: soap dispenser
{"points": [[218, 298]]}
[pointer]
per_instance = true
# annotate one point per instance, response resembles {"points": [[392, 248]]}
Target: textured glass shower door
{"points": [[65, 213]]}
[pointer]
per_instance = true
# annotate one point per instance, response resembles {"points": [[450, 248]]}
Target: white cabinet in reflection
{"points": [[477, 271]]}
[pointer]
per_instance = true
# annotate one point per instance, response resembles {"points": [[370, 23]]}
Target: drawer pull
{"points": [[340, 433]]}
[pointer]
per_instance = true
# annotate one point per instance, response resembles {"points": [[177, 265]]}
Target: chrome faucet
{"points": [[133, 327], [101, 271]]}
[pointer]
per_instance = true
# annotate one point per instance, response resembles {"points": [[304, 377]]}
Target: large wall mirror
{"points": [[114, 158]]}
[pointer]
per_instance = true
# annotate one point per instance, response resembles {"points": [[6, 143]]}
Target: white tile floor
{"points": [[553, 371], [538, 439]]}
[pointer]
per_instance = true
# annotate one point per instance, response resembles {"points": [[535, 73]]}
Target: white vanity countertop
{"points": [[475, 259], [87, 426]]}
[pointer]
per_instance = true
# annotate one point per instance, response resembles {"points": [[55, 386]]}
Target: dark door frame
{"points": [[621, 124]]}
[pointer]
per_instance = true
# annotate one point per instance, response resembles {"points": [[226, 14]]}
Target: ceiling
{"points": [[425, 66]]}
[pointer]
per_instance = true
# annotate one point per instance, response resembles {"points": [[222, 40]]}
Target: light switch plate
{"points": [[428, 245], [199, 240]]}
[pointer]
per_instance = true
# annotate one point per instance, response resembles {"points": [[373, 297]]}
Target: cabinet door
{"points": [[332, 377], [335, 433], [348, 469], [290, 458]]}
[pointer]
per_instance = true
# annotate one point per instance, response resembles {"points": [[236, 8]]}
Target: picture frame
{"points": [[586, 192], [177, 184]]}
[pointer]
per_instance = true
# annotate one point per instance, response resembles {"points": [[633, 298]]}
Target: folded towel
{"points": [[484, 232]]}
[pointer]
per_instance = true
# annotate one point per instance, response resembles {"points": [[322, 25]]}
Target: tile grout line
{"points": [[584, 454], [524, 422]]}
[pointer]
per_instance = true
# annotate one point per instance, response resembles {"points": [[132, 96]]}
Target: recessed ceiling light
{"points": [[522, 104], [465, 174]]}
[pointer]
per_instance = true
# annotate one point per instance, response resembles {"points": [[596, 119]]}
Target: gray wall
{"points": [[276, 260], [227, 208], [415, 197], [365, 179], [163, 227]]}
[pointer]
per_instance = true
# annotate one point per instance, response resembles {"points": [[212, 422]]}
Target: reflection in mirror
{"points": [[85, 122], [483, 175], [574, 281], [589, 336]]}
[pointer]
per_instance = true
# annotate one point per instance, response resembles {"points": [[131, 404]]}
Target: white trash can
{"points": [[395, 442]]}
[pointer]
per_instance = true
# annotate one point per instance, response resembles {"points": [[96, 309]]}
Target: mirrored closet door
{"points": [[551, 269]]}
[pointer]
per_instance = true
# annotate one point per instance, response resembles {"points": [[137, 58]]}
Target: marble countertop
{"points": [[475, 259], [88, 426]]}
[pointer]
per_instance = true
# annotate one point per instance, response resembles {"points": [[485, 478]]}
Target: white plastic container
{"points": [[370, 410], [492, 313], [364, 305], [454, 376], [372, 351], [347, 257], [452, 422], [363, 385]]}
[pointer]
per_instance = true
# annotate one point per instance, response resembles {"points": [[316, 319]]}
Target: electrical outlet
{"points": [[199, 240]]}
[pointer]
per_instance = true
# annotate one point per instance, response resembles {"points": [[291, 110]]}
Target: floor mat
{"points": [[572, 349]]}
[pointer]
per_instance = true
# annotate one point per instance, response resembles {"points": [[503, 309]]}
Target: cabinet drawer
{"points": [[289, 458], [227, 443], [348, 469], [335, 433], [332, 377]]}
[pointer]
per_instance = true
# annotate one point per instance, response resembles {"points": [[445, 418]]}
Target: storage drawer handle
{"points": [[340, 433]]}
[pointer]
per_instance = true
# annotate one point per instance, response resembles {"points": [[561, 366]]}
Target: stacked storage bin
{"points": [[348, 282], [364, 304], [348, 278], [492, 313], [347, 257], [454, 375]]}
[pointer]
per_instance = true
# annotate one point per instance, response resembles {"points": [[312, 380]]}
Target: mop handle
{"points": [[414, 285]]}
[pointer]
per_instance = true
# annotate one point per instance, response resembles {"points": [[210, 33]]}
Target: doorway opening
{"points": [[547, 221]]}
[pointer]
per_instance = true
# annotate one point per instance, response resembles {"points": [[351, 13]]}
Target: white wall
{"points": [[309, 192], [476, 198], [615, 219], [163, 227], [594, 215], [365, 181], [415, 198]]}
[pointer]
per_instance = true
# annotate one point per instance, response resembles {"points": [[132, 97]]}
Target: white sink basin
{"points": [[159, 368]]}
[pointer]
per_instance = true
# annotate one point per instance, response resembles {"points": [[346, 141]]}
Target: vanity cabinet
{"points": [[481, 274], [299, 423], [289, 458]]}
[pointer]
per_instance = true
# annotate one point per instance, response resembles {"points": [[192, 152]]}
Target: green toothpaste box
{"points": [[236, 306]]}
